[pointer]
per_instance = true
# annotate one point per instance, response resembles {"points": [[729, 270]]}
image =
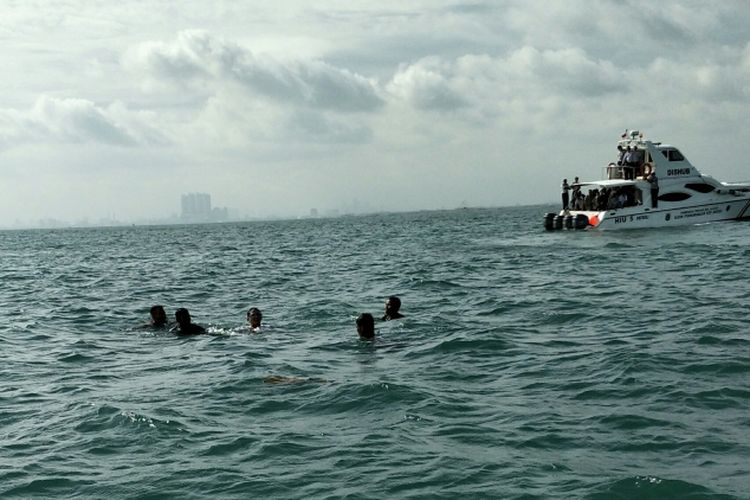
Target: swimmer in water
{"points": [[185, 326], [254, 317], [392, 305], [158, 319], [366, 326]]}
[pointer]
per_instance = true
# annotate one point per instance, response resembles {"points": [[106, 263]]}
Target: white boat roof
{"points": [[609, 183]]}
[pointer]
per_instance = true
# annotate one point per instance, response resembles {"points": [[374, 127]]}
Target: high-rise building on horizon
{"points": [[196, 207]]}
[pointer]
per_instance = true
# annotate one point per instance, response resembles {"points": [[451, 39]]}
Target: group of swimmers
{"points": [[366, 322], [183, 324]]}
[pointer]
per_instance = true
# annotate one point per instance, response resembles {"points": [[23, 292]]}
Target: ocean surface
{"points": [[529, 364]]}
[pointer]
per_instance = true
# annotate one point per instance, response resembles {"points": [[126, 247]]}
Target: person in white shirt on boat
{"points": [[627, 164]]}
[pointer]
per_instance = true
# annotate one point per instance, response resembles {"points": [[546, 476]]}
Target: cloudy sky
{"points": [[275, 107]]}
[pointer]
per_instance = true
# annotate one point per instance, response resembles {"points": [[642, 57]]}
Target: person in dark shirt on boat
{"points": [[565, 195], [621, 155], [637, 160], [254, 318], [185, 326], [654, 181], [366, 326], [392, 305]]}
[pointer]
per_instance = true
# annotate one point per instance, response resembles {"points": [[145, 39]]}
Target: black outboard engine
{"points": [[568, 221], [557, 222], [549, 221], [581, 221]]}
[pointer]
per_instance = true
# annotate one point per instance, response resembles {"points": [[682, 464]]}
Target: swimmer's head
{"points": [[254, 317], [158, 315], [182, 316], [392, 305], [366, 326]]}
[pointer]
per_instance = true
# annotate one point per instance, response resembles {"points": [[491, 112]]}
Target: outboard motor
{"points": [[557, 222], [581, 221], [568, 222], [549, 221]]}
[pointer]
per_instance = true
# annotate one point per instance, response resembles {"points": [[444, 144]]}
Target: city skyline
{"points": [[206, 214], [275, 109]]}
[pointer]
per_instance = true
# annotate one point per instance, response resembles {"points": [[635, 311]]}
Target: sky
{"points": [[115, 109]]}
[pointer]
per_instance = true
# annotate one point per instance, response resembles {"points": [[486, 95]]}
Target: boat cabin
{"points": [[638, 158]]}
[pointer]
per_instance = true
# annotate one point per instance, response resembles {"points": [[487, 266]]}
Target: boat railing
{"points": [[615, 171]]}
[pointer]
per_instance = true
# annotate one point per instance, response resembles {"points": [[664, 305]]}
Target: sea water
{"points": [[529, 364]]}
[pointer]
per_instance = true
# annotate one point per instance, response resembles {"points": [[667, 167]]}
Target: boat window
{"points": [[675, 196], [700, 187], [675, 155], [672, 155]]}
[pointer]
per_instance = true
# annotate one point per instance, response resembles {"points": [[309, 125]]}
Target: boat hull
{"points": [[640, 217]]}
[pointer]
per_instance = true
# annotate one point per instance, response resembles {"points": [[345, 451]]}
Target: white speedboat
{"points": [[626, 199]]}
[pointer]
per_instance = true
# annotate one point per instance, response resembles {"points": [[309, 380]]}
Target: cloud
{"points": [[328, 130], [232, 123], [486, 84], [428, 84], [78, 121], [198, 58]]}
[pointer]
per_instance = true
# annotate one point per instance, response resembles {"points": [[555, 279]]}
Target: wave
{"points": [[652, 487]]}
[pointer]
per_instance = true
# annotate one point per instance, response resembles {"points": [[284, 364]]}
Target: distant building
{"points": [[220, 214], [196, 207], [313, 212]]}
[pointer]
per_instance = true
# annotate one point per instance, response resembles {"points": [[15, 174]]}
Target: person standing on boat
{"points": [[620, 155], [565, 195], [654, 181], [628, 163], [636, 160]]}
